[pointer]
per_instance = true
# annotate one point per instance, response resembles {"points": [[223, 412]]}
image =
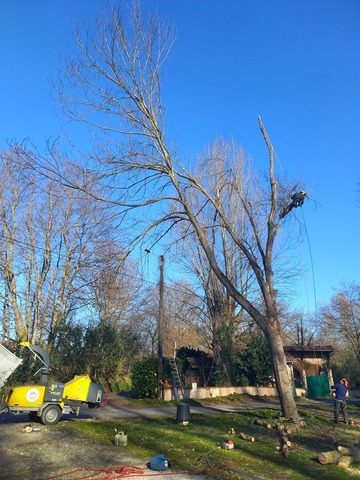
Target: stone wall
{"points": [[198, 393]]}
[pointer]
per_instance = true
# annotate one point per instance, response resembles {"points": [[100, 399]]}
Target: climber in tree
{"points": [[297, 200]]}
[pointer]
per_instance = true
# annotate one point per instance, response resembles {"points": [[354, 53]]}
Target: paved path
{"points": [[113, 410]]}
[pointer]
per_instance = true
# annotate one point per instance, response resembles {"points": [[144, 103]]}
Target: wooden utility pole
{"points": [[161, 326]]}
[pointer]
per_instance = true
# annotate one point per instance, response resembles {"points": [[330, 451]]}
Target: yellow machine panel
{"points": [[77, 388], [28, 396]]}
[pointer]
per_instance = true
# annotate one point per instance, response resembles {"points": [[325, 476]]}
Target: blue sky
{"points": [[294, 62]]}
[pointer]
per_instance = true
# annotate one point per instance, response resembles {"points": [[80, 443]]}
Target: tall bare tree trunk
{"points": [[281, 373], [115, 87]]}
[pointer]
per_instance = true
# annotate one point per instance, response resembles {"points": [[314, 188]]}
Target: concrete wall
{"points": [[198, 393], [354, 393]]}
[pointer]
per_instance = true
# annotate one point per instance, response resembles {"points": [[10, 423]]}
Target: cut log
{"points": [[345, 461], [262, 424], [343, 456], [285, 441], [351, 452], [285, 451], [283, 428], [326, 458], [248, 438], [344, 450]]}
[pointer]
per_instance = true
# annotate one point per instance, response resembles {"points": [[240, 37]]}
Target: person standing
{"points": [[340, 405]]}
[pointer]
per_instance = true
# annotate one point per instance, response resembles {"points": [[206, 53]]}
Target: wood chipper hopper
{"points": [[8, 363]]}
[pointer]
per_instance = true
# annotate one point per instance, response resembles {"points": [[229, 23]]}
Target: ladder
{"points": [[176, 380]]}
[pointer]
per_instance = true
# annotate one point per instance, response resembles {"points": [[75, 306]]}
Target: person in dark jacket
{"points": [[297, 200], [341, 390]]}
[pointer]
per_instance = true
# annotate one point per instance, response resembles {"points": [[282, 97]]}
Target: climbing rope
{"points": [[106, 473], [311, 261]]}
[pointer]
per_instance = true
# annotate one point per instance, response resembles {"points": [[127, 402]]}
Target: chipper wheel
{"points": [[51, 415]]}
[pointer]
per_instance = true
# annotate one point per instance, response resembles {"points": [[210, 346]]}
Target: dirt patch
{"points": [[51, 452]]}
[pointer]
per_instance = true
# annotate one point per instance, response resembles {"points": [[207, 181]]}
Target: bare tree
{"points": [[114, 85], [16, 188], [182, 326], [342, 318], [181, 318], [225, 319], [113, 283], [49, 239]]}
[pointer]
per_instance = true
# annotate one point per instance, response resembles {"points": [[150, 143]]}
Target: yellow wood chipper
{"points": [[48, 400]]}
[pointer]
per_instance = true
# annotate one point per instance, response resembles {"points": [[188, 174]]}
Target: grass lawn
{"points": [[194, 447]]}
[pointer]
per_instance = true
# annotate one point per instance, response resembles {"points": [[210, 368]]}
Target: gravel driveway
{"points": [[51, 453]]}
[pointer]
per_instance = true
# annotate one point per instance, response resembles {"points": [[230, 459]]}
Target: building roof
{"points": [[309, 348], [296, 362]]}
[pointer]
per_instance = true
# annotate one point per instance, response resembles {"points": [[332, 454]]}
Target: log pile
{"points": [[248, 438], [285, 444], [283, 432], [284, 440], [243, 436], [280, 427], [262, 424], [343, 456]]}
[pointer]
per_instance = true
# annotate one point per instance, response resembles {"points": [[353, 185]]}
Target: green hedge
{"points": [[144, 378]]}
